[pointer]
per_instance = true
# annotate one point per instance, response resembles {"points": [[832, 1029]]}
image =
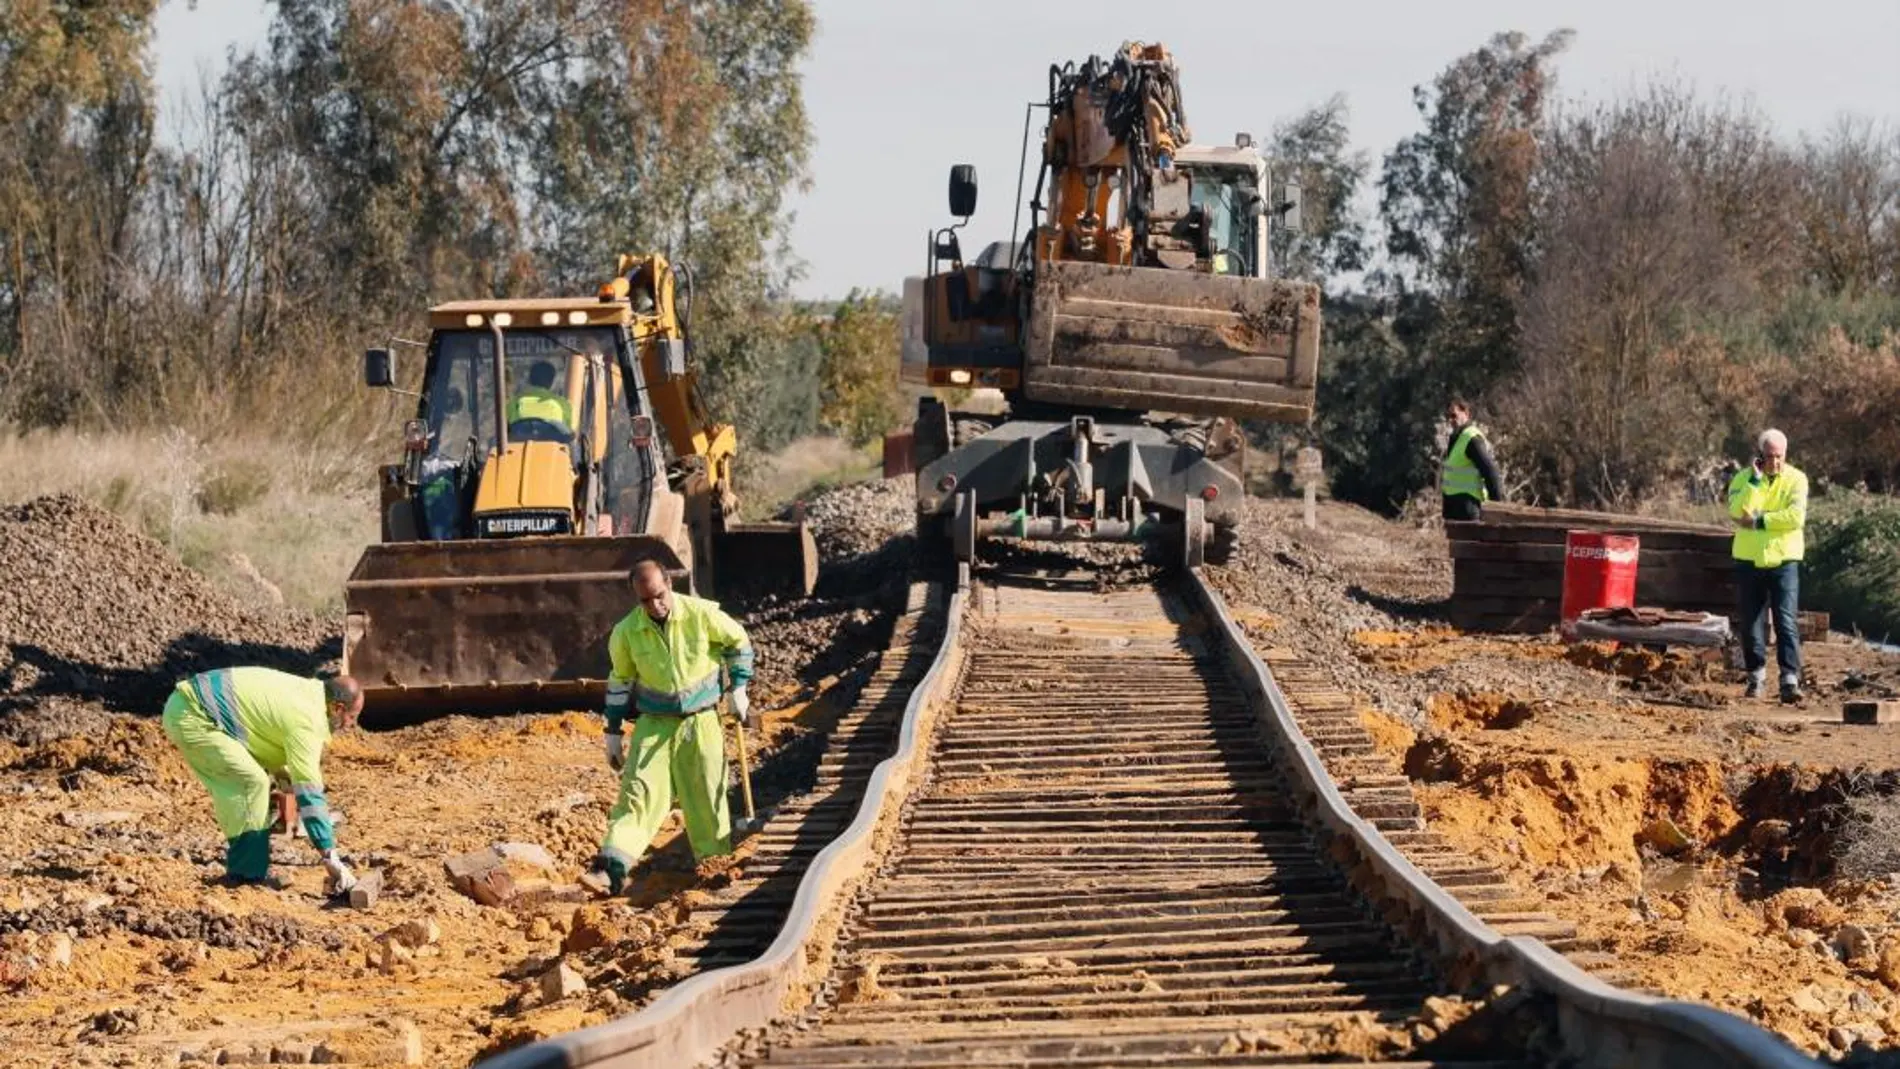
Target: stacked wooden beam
{"points": [[1508, 569]]}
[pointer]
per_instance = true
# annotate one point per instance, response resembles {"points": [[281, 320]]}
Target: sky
{"points": [[898, 90]]}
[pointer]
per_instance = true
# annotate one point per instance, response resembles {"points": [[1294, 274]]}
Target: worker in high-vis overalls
{"points": [[240, 727], [668, 656]]}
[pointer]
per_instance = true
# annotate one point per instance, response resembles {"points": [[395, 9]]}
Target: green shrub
{"points": [[1852, 569]]}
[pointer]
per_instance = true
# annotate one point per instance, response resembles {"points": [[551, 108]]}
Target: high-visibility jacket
{"points": [[673, 669], [1781, 504], [1460, 474], [283, 721], [537, 403]]}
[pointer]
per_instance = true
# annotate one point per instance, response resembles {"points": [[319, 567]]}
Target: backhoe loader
{"points": [[556, 442]]}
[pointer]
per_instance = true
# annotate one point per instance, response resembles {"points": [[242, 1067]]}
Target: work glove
{"points": [[339, 879], [741, 703], [616, 750]]}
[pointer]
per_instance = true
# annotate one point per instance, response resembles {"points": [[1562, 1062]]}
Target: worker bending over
{"points": [[239, 727], [667, 656]]}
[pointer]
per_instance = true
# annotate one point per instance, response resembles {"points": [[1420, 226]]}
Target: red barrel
{"points": [[1599, 573]]}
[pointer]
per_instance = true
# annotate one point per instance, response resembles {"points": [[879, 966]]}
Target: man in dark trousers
{"points": [[1469, 476]]}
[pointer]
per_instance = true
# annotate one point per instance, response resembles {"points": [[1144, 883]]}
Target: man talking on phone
{"points": [[1768, 503]]}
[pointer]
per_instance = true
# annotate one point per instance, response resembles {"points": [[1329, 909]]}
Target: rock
{"points": [[292, 1053], [244, 1054], [57, 950], [394, 956], [1853, 942], [1807, 907], [561, 982], [539, 929], [530, 856], [1668, 839], [590, 927], [416, 933], [1888, 968], [1808, 1000], [396, 1042], [1769, 835], [1861, 1002], [564, 803]]}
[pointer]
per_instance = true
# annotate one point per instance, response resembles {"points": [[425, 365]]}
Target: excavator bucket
{"points": [[767, 558], [488, 625], [1149, 338]]}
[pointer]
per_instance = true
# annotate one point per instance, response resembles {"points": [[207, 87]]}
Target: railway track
{"points": [[1103, 838]]}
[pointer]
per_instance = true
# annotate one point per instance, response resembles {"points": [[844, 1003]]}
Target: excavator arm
{"points": [[779, 556]]}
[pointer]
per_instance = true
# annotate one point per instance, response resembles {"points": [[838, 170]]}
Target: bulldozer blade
{"points": [[767, 558], [1150, 338], [486, 626]]}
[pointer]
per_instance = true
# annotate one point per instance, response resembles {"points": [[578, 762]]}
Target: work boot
{"points": [[1754, 688], [1790, 693]]}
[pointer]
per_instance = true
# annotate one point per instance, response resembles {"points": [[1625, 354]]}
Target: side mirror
{"points": [[379, 368], [963, 190], [1289, 206]]}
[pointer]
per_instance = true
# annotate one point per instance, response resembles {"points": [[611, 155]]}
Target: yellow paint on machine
{"points": [[527, 476]]}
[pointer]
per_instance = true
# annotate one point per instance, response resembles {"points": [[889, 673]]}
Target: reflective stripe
{"points": [[306, 812], [701, 694], [618, 690], [214, 693]]}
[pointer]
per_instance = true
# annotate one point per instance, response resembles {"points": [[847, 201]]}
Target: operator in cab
{"points": [[540, 411]]}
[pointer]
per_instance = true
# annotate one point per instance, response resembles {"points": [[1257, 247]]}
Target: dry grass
{"points": [[270, 520], [283, 521], [768, 483]]}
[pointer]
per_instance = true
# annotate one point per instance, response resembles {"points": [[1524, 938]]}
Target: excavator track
{"points": [[1102, 835]]}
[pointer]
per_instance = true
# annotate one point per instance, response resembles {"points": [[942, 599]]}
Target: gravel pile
{"points": [[93, 609], [864, 551]]}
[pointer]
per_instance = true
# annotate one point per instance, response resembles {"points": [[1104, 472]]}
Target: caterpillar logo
{"points": [[494, 526]]}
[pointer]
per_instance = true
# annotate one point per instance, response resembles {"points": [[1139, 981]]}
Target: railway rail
{"points": [[1104, 835]]}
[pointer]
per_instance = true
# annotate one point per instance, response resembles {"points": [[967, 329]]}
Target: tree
{"points": [[1316, 145], [1456, 199], [859, 368], [75, 88]]}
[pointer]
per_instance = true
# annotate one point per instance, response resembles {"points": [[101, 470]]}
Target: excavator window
{"points": [[1231, 230]]}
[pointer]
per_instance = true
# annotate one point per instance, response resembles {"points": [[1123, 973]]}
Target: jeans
{"points": [[1762, 590]]}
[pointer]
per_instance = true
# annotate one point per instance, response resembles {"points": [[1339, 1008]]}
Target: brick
{"points": [[369, 888], [1870, 712]]}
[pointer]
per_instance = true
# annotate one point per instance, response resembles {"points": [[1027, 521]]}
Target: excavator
{"points": [[556, 442], [1127, 336]]}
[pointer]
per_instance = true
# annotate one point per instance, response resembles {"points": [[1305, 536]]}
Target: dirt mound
{"points": [[93, 609]]}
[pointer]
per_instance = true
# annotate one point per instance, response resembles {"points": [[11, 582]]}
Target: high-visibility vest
{"points": [[674, 669], [1460, 475], [1782, 502], [537, 403]]}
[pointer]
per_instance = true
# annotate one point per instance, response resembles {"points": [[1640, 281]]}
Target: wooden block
{"points": [[1814, 626], [1870, 712], [369, 887]]}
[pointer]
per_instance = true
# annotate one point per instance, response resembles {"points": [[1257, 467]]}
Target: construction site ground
{"points": [[1726, 851]]}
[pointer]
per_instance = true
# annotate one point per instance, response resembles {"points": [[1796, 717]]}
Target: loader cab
{"points": [[547, 440]]}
